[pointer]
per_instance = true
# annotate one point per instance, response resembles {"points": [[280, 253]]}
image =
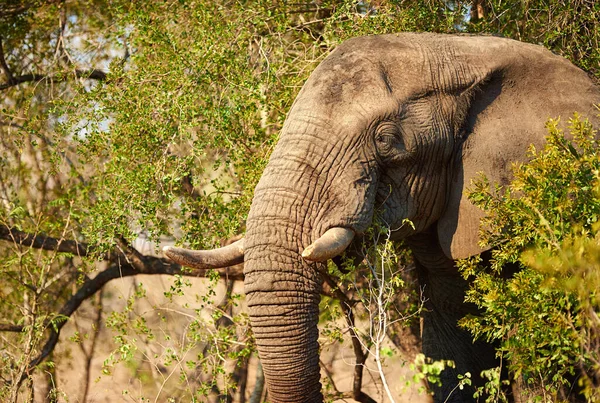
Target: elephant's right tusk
{"points": [[229, 255], [333, 242]]}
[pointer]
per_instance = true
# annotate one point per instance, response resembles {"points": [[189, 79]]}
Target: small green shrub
{"points": [[545, 316]]}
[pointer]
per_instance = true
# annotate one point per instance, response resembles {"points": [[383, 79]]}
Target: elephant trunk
{"points": [[309, 202], [283, 294]]}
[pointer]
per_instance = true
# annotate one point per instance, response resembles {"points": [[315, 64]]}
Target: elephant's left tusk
{"points": [[333, 242]]}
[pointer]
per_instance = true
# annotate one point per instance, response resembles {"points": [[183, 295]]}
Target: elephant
{"points": [[399, 124]]}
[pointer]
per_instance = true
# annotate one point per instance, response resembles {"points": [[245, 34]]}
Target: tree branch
{"points": [[125, 261], [145, 265], [130, 260], [93, 74], [7, 72], [8, 327], [43, 241]]}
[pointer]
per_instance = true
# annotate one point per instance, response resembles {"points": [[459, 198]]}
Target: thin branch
{"points": [[361, 356], [93, 74], [60, 43], [89, 355], [329, 376], [4, 65]]}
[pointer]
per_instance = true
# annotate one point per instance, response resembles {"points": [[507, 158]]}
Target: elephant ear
{"points": [[524, 86]]}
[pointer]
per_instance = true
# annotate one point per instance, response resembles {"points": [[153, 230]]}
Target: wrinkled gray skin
{"points": [[400, 123]]}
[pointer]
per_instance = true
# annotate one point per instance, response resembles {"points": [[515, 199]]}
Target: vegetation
{"points": [[545, 315], [125, 125]]}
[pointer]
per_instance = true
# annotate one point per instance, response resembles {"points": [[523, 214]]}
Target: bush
{"points": [[544, 317]]}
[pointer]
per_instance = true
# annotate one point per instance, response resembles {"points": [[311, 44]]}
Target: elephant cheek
{"points": [[349, 203]]}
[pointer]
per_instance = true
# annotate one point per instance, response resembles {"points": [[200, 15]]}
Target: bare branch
{"points": [[89, 355], [93, 74], [130, 260], [43, 242], [329, 376]]}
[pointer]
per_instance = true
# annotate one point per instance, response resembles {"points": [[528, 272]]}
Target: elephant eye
{"points": [[389, 143], [385, 140]]}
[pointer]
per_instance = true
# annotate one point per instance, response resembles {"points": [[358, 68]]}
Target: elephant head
{"points": [[398, 124]]}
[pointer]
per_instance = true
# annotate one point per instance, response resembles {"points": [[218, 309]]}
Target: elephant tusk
{"points": [[229, 255], [333, 242]]}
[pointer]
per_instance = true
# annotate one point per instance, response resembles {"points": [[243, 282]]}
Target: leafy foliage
{"points": [[135, 123], [567, 27], [546, 222], [125, 124], [371, 301]]}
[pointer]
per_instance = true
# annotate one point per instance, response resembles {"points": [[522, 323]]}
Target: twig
{"points": [[329, 376], [361, 357], [89, 355]]}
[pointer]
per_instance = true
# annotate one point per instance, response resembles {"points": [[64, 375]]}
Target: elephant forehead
{"points": [[366, 75], [342, 80]]}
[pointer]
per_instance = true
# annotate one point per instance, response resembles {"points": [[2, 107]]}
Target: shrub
{"points": [[544, 317]]}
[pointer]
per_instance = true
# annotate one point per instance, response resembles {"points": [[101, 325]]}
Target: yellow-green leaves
{"points": [[545, 315]]}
